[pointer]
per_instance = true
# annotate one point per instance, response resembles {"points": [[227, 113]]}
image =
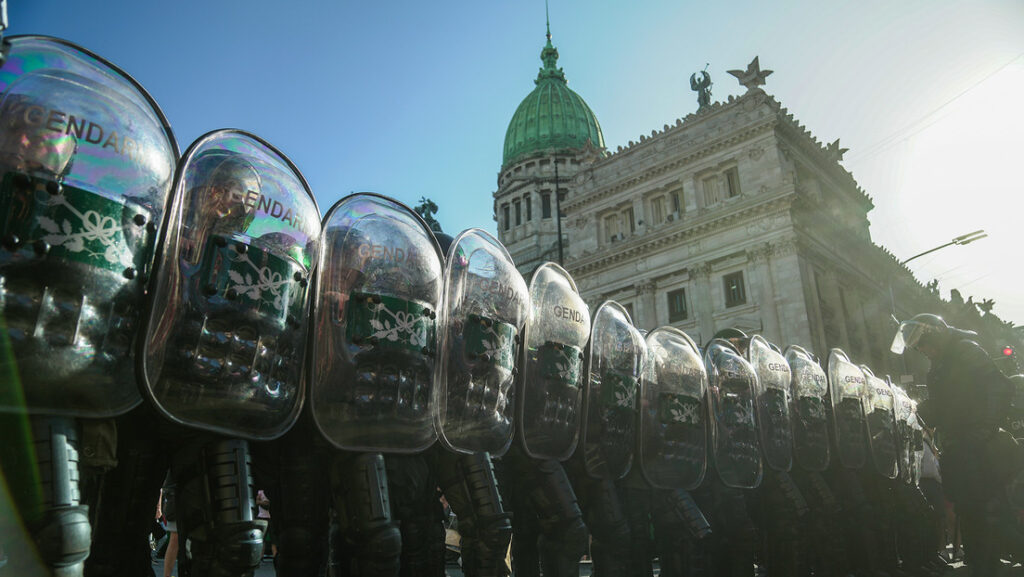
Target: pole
{"points": [[961, 240], [558, 214]]}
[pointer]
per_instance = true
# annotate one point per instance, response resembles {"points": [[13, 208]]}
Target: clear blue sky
{"points": [[412, 98]]}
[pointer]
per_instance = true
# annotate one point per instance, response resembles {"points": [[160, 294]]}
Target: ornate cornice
{"points": [[711, 223], [759, 253], [699, 150], [645, 287], [700, 271]]}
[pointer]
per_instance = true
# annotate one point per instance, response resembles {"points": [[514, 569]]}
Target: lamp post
{"points": [[961, 240]]}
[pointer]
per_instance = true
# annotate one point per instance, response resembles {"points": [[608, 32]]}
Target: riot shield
{"points": [[673, 416], [903, 407], [484, 311], [86, 166], [551, 390], [614, 365], [225, 343], [917, 446], [810, 415], [773, 400], [735, 441], [375, 335], [881, 421], [846, 382]]}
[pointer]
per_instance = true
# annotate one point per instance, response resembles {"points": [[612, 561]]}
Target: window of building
{"points": [[519, 212], [677, 305], [710, 185], [629, 309], [504, 212], [732, 181], [658, 210], [545, 205], [677, 201], [611, 227], [628, 215], [735, 292], [529, 207]]}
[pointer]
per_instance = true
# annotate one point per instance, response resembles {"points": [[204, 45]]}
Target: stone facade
{"points": [[732, 217]]}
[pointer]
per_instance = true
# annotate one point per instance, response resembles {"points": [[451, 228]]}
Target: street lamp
{"points": [[961, 240]]}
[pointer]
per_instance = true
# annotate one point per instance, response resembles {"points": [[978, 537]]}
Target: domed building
{"points": [[551, 135], [733, 216]]}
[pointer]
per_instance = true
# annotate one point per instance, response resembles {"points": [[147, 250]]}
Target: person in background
{"points": [[165, 507], [264, 513]]}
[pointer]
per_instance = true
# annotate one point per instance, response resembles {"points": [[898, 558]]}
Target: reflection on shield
{"points": [[881, 424], [551, 390], [375, 329], [773, 403], [485, 308], [224, 351], [846, 384], [617, 353], [86, 167], [673, 429], [810, 417], [736, 443]]}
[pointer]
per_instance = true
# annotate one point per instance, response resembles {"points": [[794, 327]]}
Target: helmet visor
{"points": [[908, 335]]}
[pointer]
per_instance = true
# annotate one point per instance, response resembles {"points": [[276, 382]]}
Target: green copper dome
{"points": [[552, 117]]}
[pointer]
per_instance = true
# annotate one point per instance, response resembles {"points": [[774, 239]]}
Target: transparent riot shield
{"points": [[485, 308], [735, 441], [810, 414], [225, 343], [846, 384], [878, 403], [773, 400], [903, 408], [551, 391], [673, 415], [375, 328], [614, 365], [86, 165]]}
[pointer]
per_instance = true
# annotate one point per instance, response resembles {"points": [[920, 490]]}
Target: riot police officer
{"points": [[86, 167], [224, 346], [616, 355], [485, 310], [548, 414], [968, 402], [736, 455], [673, 451]]}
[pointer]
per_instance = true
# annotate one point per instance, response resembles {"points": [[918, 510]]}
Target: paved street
{"points": [[959, 570]]}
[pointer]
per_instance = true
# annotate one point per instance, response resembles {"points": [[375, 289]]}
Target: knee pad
{"points": [[496, 531], [227, 549], [63, 536], [379, 549]]}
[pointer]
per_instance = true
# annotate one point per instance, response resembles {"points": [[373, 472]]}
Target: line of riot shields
{"points": [[191, 322]]}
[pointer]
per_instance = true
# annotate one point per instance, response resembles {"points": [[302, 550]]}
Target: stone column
{"points": [[832, 300], [761, 273], [646, 309], [703, 304]]}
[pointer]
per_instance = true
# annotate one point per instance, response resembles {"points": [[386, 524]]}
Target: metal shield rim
{"points": [[707, 407], [176, 201], [354, 197], [175, 150], [441, 367], [609, 303]]}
